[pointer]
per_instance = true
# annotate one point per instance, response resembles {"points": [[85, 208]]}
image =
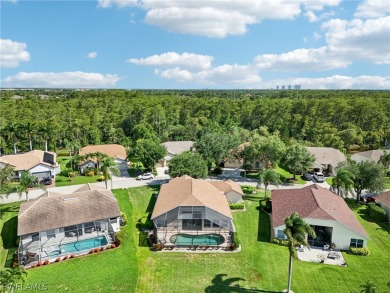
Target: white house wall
{"points": [[42, 168], [341, 235]]}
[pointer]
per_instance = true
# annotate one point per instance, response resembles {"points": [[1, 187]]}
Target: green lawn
{"points": [[8, 227], [328, 180], [284, 175], [260, 265], [65, 181]]}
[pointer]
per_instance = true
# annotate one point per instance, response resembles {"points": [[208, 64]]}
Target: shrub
{"points": [[72, 256], [46, 262], [113, 245], [158, 246], [236, 206], [146, 223], [359, 251], [89, 173], [39, 263], [91, 251], [58, 259], [235, 240], [97, 250], [247, 189], [65, 257], [375, 212], [218, 171], [124, 218], [101, 178], [278, 241], [102, 248]]}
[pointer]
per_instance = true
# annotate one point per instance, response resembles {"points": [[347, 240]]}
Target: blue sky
{"points": [[182, 44]]}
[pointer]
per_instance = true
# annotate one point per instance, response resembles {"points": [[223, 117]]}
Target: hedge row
{"points": [[236, 206], [359, 251], [375, 212], [278, 241]]}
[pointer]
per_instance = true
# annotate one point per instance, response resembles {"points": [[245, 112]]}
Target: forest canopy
{"points": [[344, 119]]}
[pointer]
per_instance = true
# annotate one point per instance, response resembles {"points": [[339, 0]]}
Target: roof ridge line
{"points": [[36, 200], [99, 191], [318, 204]]}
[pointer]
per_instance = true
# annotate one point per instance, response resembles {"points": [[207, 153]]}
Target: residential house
{"points": [[231, 189], [189, 211], [175, 148], [238, 163], [326, 159], [383, 200], [326, 212], [372, 155], [115, 151], [39, 163], [55, 225]]}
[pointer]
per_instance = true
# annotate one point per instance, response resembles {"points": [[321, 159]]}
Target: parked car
{"points": [[307, 176], [47, 181], [369, 199], [319, 177], [145, 176]]}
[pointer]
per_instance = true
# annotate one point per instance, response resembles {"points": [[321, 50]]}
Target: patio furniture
{"points": [[334, 255]]}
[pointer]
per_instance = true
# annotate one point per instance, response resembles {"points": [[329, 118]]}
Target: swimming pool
{"points": [[205, 239], [80, 245]]}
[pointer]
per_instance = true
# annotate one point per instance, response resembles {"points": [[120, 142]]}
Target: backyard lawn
{"points": [[259, 267], [8, 226], [284, 175]]}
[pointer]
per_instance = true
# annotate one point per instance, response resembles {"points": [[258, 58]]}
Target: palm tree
{"points": [[269, 176], [109, 166], [12, 130], [30, 130], [46, 130], [385, 160], [368, 287], [10, 277], [99, 158], [27, 181], [343, 181], [296, 232]]}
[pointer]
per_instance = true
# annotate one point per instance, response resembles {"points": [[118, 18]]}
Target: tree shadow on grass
{"points": [[383, 225], [219, 285], [263, 225], [8, 233]]}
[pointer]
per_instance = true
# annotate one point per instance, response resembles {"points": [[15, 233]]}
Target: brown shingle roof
{"points": [[313, 201], [26, 161], [88, 186], [373, 155], [52, 211], [329, 156], [384, 198], [228, 185], [187, 191], [111, 150]]}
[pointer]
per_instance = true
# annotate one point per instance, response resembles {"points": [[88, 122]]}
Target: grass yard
{"points": [[259, 267], [65, 181], [8, 227], [284, 175]]}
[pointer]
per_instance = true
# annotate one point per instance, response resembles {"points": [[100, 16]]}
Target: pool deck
{"points": [[319, 255]]}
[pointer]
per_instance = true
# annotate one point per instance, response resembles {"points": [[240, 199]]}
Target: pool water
{"points": [[205, 239], [81, 245]]}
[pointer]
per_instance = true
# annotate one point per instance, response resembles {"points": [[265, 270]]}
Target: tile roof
{"points": [[88, 186], [228, 185], [327, 156], [177, 147], [315, 202], [112, 150], [26, 161], [384, 198], [373, 155], [51, 210], [187, 191]]}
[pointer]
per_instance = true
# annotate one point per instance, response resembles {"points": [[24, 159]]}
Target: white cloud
{"points": [[318, 59], [75, 79], [217, 18], [92, 55], [334, 82], [373, 9], [311, 16], [186, 60], [360, 40], [233, 75], [12, 52]]}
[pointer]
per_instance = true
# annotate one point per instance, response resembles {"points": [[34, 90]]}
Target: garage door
{"points": [[41, 175]]}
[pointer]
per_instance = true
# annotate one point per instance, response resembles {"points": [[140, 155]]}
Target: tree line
{"points": [[70, 119]]}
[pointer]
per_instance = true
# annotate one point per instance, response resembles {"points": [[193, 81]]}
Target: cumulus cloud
{"points": [[12, 53], [75, 79], [174, 59], [334, 82], [92, 55], [217, 18], [233, 75], [372, 9], [357, 39]]}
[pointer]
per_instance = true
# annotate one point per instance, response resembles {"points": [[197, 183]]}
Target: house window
{"points": [[206, 223], [215, 224], [51, 233], [280, 234], [356, 242]]}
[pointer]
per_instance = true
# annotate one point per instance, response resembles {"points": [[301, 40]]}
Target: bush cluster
{"points": [[236, 206], [247, 189], [359, 251], [278, 241], [375, 212], [235, 240]]}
